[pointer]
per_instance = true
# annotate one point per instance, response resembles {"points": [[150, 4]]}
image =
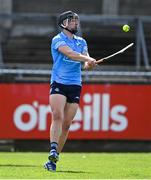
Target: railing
{"points": [[84, 73]]}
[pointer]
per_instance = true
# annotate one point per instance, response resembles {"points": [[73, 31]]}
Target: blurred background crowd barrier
{"points": [[26, 30]]}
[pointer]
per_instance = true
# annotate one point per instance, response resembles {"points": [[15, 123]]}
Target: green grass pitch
{"points": [[76, 166]]}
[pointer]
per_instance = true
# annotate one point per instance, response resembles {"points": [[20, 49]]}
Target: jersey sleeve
{"points": [[58, 42], [85, 47]]}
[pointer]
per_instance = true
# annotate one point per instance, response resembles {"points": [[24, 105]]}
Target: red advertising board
{"points": [[107, 111]]}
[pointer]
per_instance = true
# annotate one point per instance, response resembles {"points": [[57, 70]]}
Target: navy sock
{"points": [[53, 146]]}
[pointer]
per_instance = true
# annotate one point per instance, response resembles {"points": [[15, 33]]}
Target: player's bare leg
{"points": [[69, 113], [57, 103]]}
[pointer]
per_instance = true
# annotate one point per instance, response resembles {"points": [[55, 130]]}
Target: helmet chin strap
{"points": [[65, 27], [71, 31]]}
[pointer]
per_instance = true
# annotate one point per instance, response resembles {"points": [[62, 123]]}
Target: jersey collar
{"points": [[66, 37]]}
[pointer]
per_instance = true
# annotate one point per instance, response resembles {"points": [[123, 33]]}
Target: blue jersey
{"points": [[65, 70]]}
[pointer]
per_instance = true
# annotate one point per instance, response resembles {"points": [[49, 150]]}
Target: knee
{"points": [[57, 115]]}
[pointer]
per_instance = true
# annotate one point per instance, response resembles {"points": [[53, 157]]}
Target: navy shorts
{"points": [[71, 92]]}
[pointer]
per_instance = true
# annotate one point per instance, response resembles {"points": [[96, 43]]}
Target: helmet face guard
{"points": [[68, 15]]}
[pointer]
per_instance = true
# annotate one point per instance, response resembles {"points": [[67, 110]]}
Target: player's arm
{"points": [[67, 51]]}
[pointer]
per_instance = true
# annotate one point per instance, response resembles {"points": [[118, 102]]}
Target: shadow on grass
{"points": [[22, 165], [72, 171]]}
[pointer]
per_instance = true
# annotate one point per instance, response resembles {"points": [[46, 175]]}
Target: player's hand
{"points": [[91, 63], [89, 66], [86, 66]]}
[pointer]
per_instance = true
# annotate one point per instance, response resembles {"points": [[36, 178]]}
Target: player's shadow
{"points": [[72, 171], [22, 165]]}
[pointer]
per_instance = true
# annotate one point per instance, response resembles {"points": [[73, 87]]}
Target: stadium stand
{"points": [[31, 34]]}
